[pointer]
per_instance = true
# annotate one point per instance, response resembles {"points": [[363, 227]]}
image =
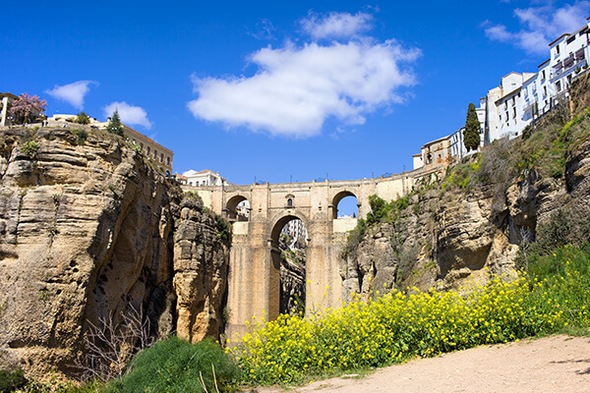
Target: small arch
{"points": [[238, 208], [345, 205]]}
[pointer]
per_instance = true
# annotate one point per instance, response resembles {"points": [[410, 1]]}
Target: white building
{"points": [[507, 109], [523, 97], [458, 149], [5, 101], [296, 231], [568, 57], [417, 161], [504, 108], [204, 178]]}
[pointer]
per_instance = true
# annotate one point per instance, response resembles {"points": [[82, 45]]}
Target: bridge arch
{"points": [[282, 302], [339, 197], [237, 208], [280, 220]]}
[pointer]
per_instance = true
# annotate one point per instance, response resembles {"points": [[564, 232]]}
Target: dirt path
{"points": [[549, 365]]}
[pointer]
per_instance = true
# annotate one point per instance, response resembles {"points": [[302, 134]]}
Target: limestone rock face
{"points": [[86, 233], [452, 239], [201, 260]]}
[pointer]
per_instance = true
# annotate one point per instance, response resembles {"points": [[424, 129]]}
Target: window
{"points": [[290, 202], [557, 49]]}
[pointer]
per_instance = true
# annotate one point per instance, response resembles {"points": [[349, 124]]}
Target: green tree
{"points": [[471, 132], [115, 126]]}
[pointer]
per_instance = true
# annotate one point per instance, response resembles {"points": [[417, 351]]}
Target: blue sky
{"points": [[278, 91]]}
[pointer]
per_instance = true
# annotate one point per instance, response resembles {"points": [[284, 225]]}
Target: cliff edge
{"points": [[88, 233]]}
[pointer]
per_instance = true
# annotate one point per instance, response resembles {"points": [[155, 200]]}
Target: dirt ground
{"points": [[548, 365]]}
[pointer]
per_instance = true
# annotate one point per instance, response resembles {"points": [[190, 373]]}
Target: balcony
{"points": [[568, 67]]}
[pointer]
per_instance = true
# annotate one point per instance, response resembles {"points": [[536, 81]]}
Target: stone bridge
{"points": [[254, 277]]}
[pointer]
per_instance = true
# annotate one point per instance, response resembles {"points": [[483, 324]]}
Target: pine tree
{"points": [[115, 126], [471, 133]]}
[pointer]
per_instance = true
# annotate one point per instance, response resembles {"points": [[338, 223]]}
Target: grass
{"points": [[174, 365]]}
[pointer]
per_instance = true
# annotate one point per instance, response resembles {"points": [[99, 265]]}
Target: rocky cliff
{"points": [[483, 216], [89, 231]]}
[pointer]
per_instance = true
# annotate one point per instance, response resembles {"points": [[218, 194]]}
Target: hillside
{"points": [[480, 220]]}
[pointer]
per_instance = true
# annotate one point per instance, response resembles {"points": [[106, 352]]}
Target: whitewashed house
{"points": [[204, 178]]}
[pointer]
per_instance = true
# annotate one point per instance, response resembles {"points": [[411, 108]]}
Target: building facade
{"points": [[205, 177], [5, 100], [434, 154]]}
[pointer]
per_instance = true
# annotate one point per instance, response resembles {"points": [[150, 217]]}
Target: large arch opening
{"points": [[238, 208], [289, 238], [345, 205]]}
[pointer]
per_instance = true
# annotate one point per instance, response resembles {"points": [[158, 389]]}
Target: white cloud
{"points": [[129, 114], [297, 88], [72, 93], [541, 25], [336, 25]]}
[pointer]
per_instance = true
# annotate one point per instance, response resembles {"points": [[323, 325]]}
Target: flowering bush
{"points": [[396, 326]]}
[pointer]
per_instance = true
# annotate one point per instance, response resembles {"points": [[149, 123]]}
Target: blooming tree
{"points": [[26, 108]]}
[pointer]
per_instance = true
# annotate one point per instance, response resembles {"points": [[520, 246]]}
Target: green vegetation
{"points": [[381, 211], [81, 136], [471, 132], [82, 118], [543, 150], [115, 126], [175, 365], [223, 229], [395, 327], [462, 175], [30, 148], [12, 380]]}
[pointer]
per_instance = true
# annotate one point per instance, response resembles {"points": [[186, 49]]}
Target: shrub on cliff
{"points": [[10, 381], [82, 118]]}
